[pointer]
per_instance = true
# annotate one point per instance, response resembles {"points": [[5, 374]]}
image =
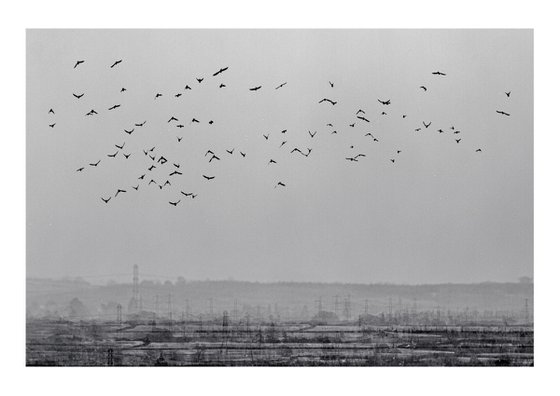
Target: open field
{"points": [[94, 343]]}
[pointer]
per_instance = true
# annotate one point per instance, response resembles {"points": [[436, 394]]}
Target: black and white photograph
{"points": [[279, 197]]}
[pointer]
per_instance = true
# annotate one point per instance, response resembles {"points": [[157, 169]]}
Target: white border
{"points": [[16, 16]]}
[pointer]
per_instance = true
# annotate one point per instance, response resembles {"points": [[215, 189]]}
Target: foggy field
{"points": [[88, 343]]}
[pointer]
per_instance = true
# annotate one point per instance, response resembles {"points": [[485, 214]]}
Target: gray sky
{"points": [[441, 213]]}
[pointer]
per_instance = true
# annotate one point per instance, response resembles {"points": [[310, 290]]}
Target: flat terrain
{"points": [[88, 343]]}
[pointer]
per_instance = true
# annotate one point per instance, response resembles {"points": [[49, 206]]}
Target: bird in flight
{"points": [[353, 125], [404, 116], [271, 162], [120, 191], [200, 80], [80, 169], [478, 150], [424, 88], [121, 146], [113, 155], [214, 157], [179, 138], [158, 95], [328, 100], [116, 63], [129, 132], [399, 151], [136, 188], [427, 125], [281, 85], [255, 88], [175, 173], [331, 84], [209, 152], [457, 140], [51, 111], [151, 167], [418, 129], [384, 102], [194, 120], [508, 93], [438, 73], [363, 118], [106, 200], [210, 122], [177, 165], [186, 194], [114, 107], [91, 112], [503, 113], [223, 69], [266, 136], [139, 125], [187, 87], [230, 151], [280, 184], [440, 130], [222, 85], [178, 95], [172, 119], [123, 89], [208, 177], [296, 149], [283, 131], [393, 160], [242, 154], [95, 164], [285, 141], [312, 134], [127, 155], [78, 96], [52, 125], [142, 177], [78, 63], [174, 203]]}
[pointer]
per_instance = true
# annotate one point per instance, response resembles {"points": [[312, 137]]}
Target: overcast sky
{"points": [[442, 212]]}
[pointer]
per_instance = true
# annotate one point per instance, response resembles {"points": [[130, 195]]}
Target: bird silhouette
{"points": [[142, 177], [242, 154], [360, 111], [281, 85], [186, 194], [427, 125], [331, 84], [52, 125], [172, 119], [116, 63], [114, 107], [127, 155], [230, 151], [208, 177], [393, 160], [424, 88], [194, 120], [140, 125], [120, 191], [255, 88], [404, 116], [312, 134], [129, 132], [51, 111], [369, 134], [440, 130], [209, 152], [328, 100], [179, 139], [296, 149], [508, 93], [152, 157], [106, 200], [210, 122], [176, 165], [152, 181], [174, 203], [91, 112], [200, 80], [478, 150], [136, 188], [78, 63], [283, 143], [151, 168], [152, 149], [384, 102], [178, 95], [123, 89], [96, 163], [167, 183], [503, 113], [399, 151], [180, 126], [175, 173], [353, 125], [121, 146], [363, 118], [214, 157], [383, 113], [162, 160], [279, 184], [438, 73], [80, 169], [187, 87], [223, 69], [266, 136], [77, 96], [113, 155], [457, 140], [334, 132], [271, 162], [283, 131], [222, 85], [158, 95], [418, 129]]}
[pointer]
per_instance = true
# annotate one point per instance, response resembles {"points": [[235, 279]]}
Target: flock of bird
{"points": [[173, 169]]}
